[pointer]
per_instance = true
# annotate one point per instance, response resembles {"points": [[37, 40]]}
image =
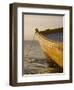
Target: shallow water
{"points": [[35, 61]]}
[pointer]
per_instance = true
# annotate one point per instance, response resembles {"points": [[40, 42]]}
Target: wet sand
{"points": [[35, 61]]}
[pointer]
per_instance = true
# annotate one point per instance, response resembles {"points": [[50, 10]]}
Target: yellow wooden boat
{"points": [[52, 48]]}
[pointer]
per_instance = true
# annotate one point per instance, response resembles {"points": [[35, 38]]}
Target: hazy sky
{"points": [[41, 22]]}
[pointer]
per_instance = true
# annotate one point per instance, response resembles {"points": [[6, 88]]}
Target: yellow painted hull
{"points": [[52, 49]]}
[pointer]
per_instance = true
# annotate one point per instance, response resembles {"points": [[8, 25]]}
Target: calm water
{"points": [[35, 62]]}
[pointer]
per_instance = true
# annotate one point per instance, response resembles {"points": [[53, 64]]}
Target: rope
{"points": [[30, 46]]}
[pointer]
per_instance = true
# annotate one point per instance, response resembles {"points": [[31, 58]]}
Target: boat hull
{"points": [[52, 49]]}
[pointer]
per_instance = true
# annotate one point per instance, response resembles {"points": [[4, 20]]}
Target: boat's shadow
{"points": [[57, 68]]}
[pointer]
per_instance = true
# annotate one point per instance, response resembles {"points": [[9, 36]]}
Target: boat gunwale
{"points": [[51, 31]]}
